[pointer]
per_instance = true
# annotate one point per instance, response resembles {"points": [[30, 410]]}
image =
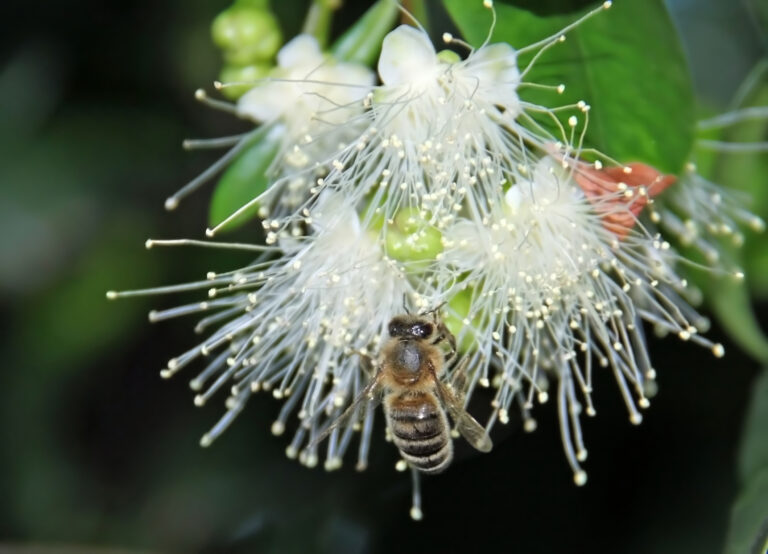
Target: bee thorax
{"points": [[408, 356]]}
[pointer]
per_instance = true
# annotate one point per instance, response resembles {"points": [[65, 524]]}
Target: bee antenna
{"points": [[434, 310], [405, 303]]}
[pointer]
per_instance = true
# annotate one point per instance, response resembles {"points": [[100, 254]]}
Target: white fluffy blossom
{"points": [[307, 108], [440, 185], [443, 133], [438, 135], [307, 90], [295, 322], [553, 290]]}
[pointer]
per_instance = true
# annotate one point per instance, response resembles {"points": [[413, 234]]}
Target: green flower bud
{"points": [[241, 74], [411, 239], [246, 35], [257, 4], [448, 56], [457, 313]]}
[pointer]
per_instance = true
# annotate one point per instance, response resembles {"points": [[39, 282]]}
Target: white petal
{"points": [[301, 51], [495, 68], [406, 56], [346, 83], [514, 196], [355, 74], [265, 101]]}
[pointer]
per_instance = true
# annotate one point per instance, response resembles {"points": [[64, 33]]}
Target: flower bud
{"points": [[246, 35], [448, 56], [411, 239], [249, 75], [456, 320]]}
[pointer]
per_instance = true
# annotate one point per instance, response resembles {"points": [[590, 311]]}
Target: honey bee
{"points": [[410, 384]]}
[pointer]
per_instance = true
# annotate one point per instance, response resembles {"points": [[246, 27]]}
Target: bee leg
{"points": [[416, 513], [366, 361], [459, 380], [446, 335]]}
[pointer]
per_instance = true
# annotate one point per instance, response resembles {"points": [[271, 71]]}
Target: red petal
{"points": [[602, 187]]}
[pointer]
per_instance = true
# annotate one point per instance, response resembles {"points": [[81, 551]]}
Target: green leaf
{"points": [[72, 318], [731, 303], [745, 171], [626, 63], [727, 297], [552, 7], [748, 531], [753, 453], [318, 21], [245, 179], [361, 43]]}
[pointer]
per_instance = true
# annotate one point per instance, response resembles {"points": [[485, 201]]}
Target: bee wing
{"points": [[474, 433], [370, 392]]}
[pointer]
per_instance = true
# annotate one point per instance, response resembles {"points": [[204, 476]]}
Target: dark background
{"points": [[98, 453]]}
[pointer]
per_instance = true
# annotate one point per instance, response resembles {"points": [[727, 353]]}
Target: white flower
{"points": [[297, 325], [553, 289], [424, 94], [441, 185], [307, 90], [444, 134], [309, 106], [315, 102]]}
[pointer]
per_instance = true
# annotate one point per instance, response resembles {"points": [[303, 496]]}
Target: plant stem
{"points": [[418, 9], [318, 20]]}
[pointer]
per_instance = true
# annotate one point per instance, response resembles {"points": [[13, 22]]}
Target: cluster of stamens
{"points": [[441, 186]]}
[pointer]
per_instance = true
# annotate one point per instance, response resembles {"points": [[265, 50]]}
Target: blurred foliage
{"points": [[98, 451], [738, 171], [637, 88], [361, 43], [748, 530], [245, 179], [730, 299]]}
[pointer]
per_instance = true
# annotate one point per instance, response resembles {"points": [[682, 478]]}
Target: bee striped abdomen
{"points": [[420, 431]]}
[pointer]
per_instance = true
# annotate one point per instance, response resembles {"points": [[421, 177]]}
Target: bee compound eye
{"points": [[422, 330]]}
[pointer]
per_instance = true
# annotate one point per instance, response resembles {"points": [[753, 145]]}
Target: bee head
{"points": [[411, 327]]}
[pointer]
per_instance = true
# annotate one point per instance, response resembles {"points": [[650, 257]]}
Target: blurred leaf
{"points": [[245, 179], [627, 63], [746, 171], [73, 318], [56, 193], [726, 296], [731, 303], [758, 11], [753, 455], [68, 549], [551, 7], [31, 87], [361, 43], [748, 531]]}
